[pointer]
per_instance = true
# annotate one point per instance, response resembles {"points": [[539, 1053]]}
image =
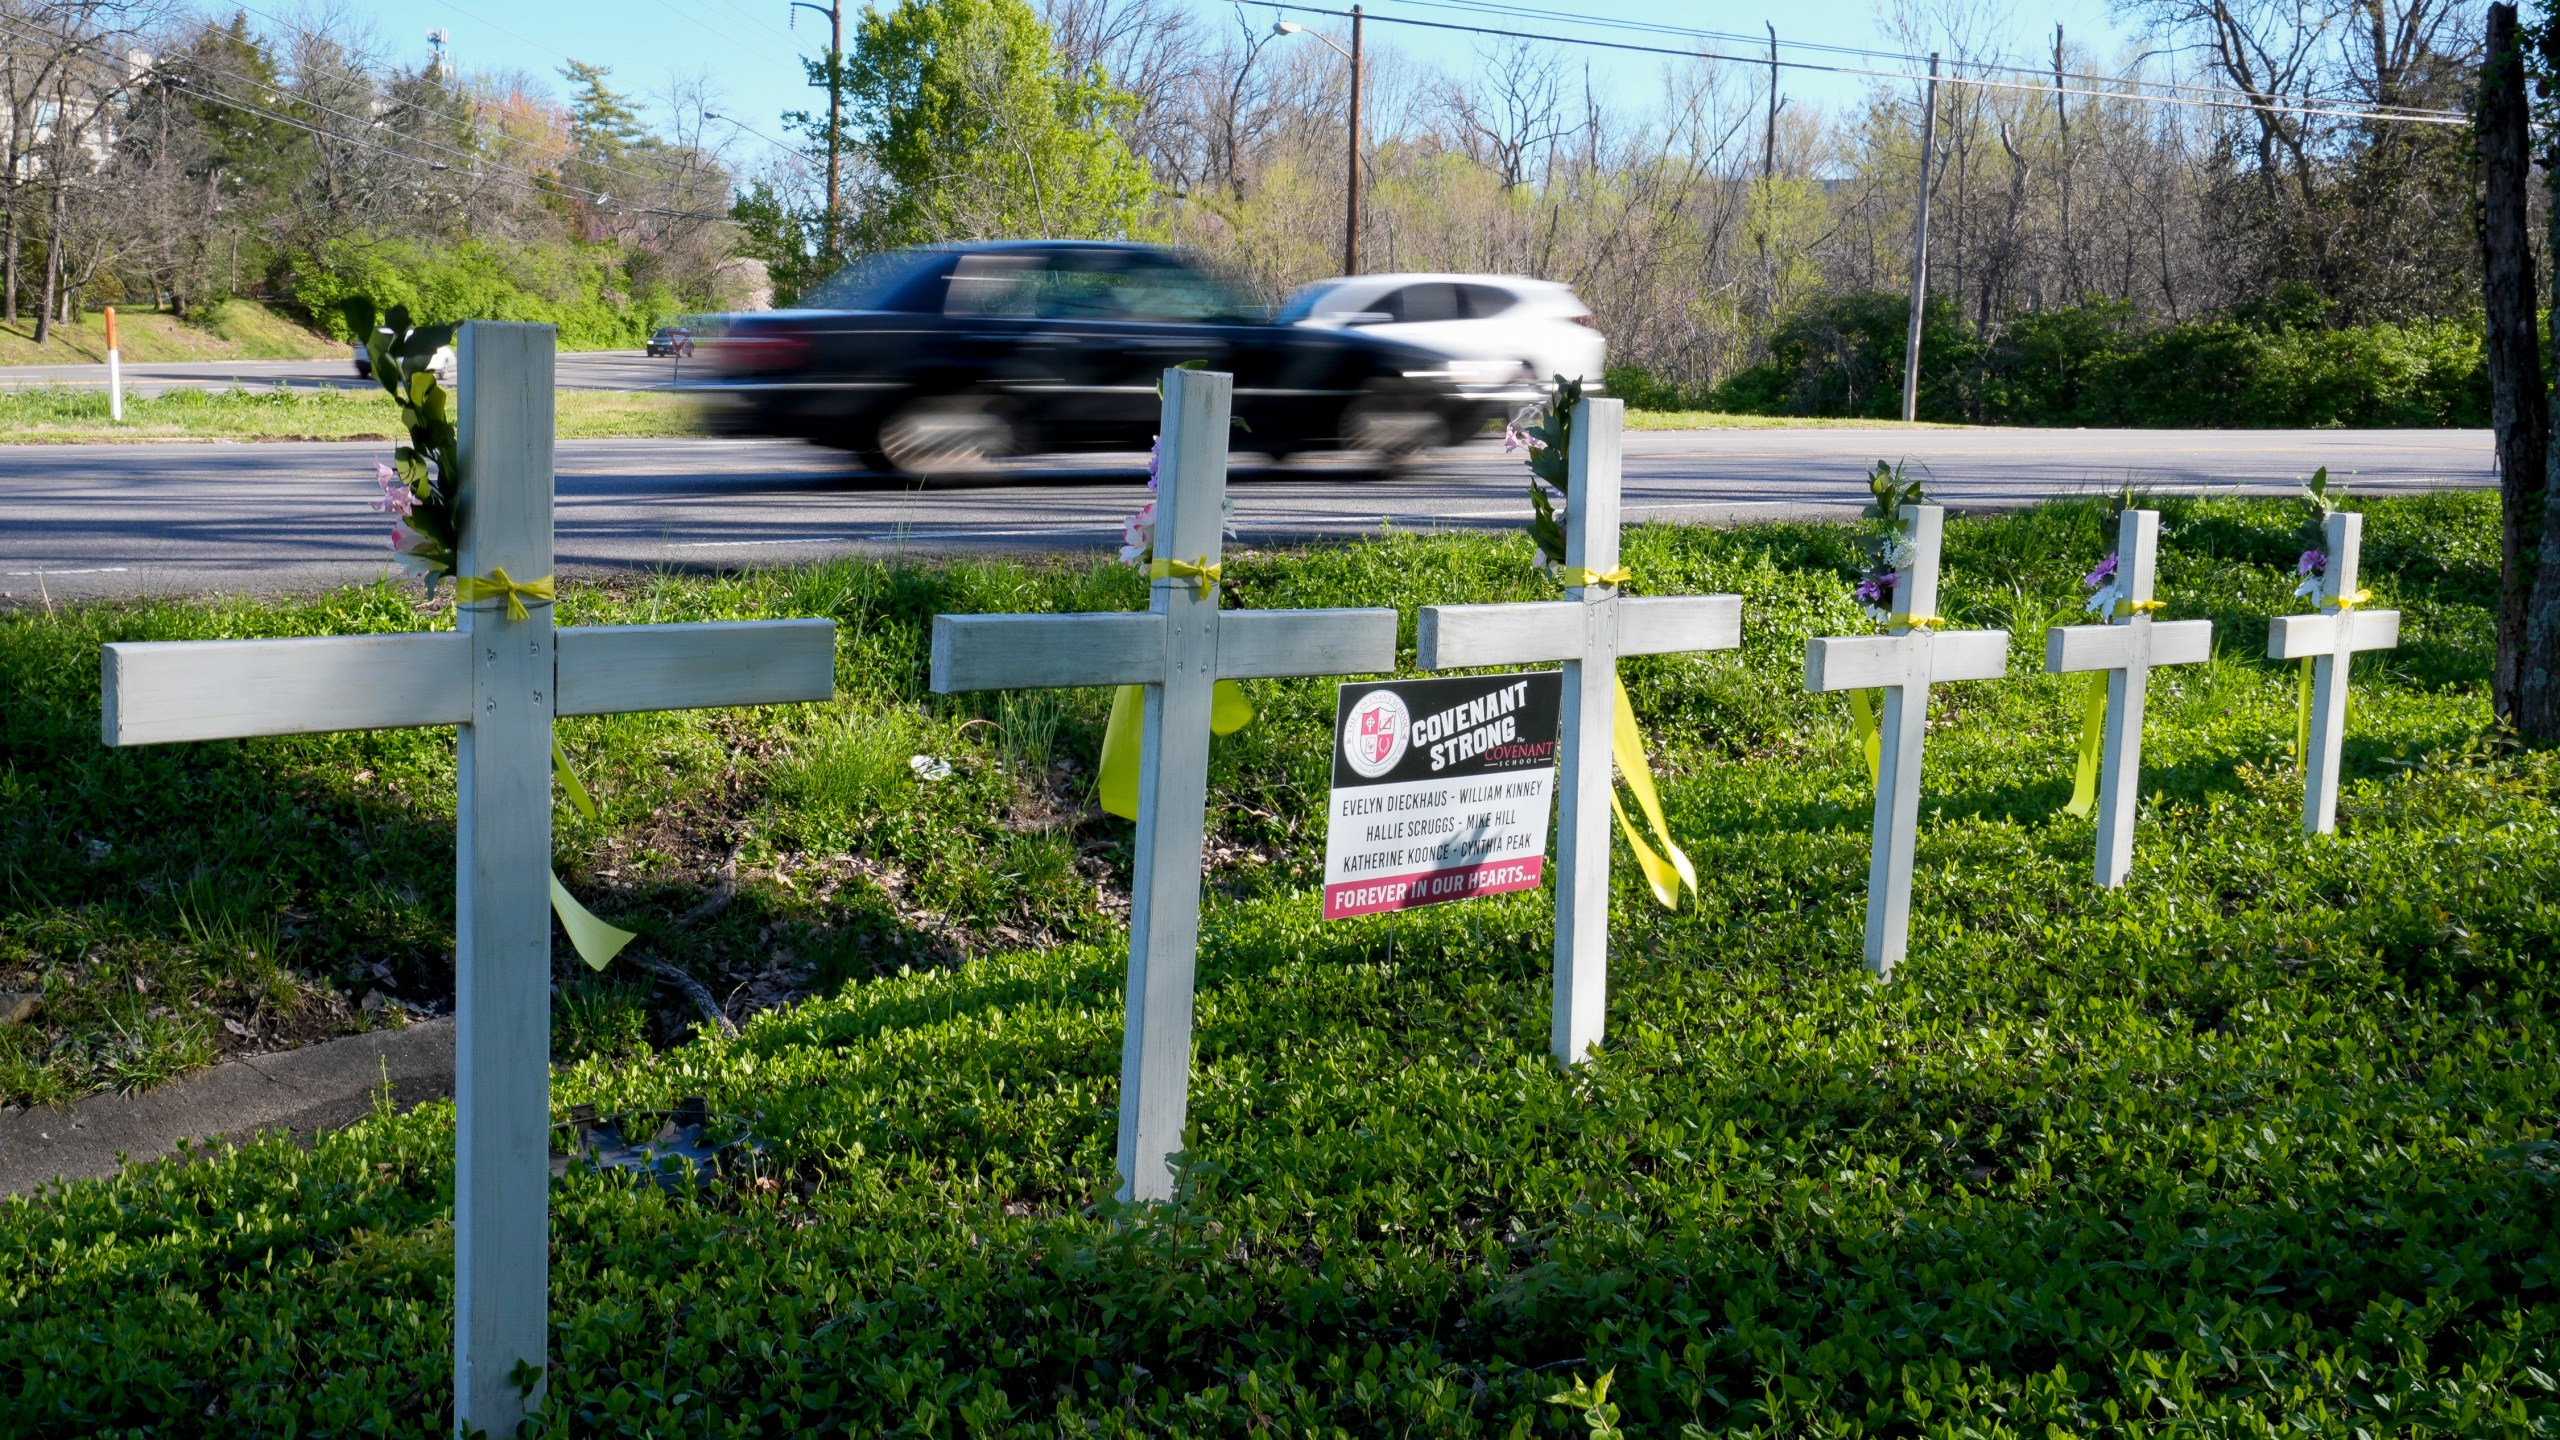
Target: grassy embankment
{"points": [[61, 415], [235, 330], [2263, 1143]]}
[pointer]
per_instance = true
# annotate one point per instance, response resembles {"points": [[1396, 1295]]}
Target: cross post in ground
{"points": [[1911, 656], [1177, 650], [500, 676], [2126, 644], [1587, 630], [2330, 640]]}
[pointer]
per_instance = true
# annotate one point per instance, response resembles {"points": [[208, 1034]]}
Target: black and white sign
{"points": [[1441, 790]]}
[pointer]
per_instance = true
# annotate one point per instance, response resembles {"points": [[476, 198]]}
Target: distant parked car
{"points": [[671, 340], [931, 361], [1494, 329], [442, 363]]}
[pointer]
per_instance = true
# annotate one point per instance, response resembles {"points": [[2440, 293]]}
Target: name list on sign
{"points": [[1442, 789]]}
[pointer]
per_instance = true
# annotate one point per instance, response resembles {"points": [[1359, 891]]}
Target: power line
{"points": [[2215, 100]]}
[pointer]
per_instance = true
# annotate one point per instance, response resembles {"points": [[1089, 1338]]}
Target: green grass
{"points": [[67, 415], [2262, 1144], [233, 330]]}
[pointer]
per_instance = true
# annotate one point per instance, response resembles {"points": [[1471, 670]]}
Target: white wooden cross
{"points": [[2330, 640], [1178, 649], [1588, 630], [501, 681], [1912, 656], [2126, 645]]}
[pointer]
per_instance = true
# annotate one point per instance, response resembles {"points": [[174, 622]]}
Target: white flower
{"points": [[1899, 551], [2102, 601], [2309, 589]]}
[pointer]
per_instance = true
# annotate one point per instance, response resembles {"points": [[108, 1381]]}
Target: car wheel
{"points": [[946, 435], [1395, 428]]}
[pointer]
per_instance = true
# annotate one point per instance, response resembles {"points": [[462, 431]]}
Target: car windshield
{"points": [[874, 282]]}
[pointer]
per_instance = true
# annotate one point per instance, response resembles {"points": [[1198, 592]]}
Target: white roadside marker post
{"points": [[1904, 662], [1588, 630], [115, 371], [2126, 645], [501, 681], [1177, 649], [2330, 640]]}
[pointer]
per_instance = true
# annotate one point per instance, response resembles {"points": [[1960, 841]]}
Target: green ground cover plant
{"points": [[51, 415], [2261, 1144]]}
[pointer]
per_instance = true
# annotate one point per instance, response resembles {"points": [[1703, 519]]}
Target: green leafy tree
{"points": [[975, 127], [790, 239]]}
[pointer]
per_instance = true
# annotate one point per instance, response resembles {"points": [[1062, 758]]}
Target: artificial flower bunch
{"points": [[1545, 432], [2313, 566], [1884, 545], [424, 477], [2105, 592]]}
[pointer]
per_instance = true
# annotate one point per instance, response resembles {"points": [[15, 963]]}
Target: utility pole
{"points": [[834, 11], [1920, 251], [1351, 192], [1769, 140], [2062, 113]]}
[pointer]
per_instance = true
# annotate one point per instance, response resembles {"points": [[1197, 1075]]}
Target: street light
{"points": [[1351, 186]]}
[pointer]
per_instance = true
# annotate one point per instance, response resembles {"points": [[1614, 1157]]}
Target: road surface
{"points": [[81, 521], [579, 370]]}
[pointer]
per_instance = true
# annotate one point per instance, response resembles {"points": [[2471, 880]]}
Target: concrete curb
{"points": [[318, 1087]]}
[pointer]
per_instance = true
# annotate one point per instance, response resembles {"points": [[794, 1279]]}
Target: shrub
{"points": [[572, 287]]}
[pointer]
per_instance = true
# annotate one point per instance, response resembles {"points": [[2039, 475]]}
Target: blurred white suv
{"points": [[1499, 331]]}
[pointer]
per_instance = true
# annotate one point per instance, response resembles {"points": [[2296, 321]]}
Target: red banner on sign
{"points": [[1432, 887]]}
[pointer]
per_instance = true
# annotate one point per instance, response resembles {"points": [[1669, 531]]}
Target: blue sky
{"points": [[746, 48]]}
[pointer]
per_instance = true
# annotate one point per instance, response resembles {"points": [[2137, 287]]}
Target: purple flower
{"points": [[2105, 574], [396, 497], [1155, 459], [1875, 588], [2313, 562]]}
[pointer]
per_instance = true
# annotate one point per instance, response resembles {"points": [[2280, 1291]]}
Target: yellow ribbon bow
{"points": [[2140, 607], [595, 941], [1202, 575], [1914, 622], [1668, 870], [1580, 576], [2345, 603], [496, 585], [1229, 712], [2093, 739]]}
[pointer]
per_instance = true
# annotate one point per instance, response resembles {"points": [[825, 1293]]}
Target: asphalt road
{"points": [[95, 520], [579, 370]]}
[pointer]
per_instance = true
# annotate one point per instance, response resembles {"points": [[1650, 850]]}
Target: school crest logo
{"points": [[1376, 732]]}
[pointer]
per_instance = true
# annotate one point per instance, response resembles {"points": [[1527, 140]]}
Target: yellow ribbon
{"points": [[1862, 716], [1914, 622], [1229, 712], [1202, 575], [497, 586], [2093, 736], [2140, 607], [595, 941], [1579, 576], [2344, 603], [1627, 745], [2302, 716]]}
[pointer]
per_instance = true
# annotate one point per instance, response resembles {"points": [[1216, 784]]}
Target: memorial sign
{"points": [[1441, 790]]}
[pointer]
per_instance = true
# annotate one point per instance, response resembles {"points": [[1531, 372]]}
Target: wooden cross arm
{"points": [[1264, 644], [2111, 647], [2298, 637], [1046, 652], [1862, 662], [611, 669], [161, 692], [1453, 637]]}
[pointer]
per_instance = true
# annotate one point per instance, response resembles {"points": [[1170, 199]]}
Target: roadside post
{"points": [[115, 372], [1177, 650], [500, 677]]}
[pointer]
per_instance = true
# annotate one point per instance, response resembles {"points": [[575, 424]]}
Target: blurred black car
{"points": [[671, 340], [935, 359]]}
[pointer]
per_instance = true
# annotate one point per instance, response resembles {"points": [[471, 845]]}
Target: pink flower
{"points": [[1138, 537], [397, 498]]}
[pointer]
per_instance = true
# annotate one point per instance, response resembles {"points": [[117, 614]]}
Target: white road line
{"points": [[102, 570]]}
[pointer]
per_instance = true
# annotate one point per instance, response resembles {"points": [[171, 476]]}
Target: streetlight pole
{"points": [[1351, 169], [834, 11], [1920, 253]]}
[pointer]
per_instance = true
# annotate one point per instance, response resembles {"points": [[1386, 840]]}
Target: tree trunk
{"points": [[52, 263], [9, 262], [2537, 716], [2518, 405]]}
